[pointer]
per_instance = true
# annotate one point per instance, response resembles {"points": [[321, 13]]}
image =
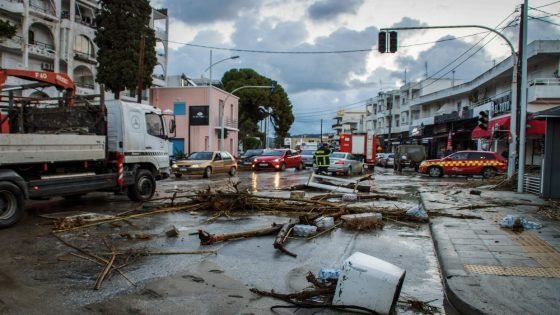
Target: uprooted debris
{"points": [[118, 259], [319, 295]]}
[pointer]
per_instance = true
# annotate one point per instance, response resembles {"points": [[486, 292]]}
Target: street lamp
{"points": [[210, 95]]}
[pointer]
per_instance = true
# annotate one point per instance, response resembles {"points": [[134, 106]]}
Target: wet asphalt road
{"points": [[39, 276]]}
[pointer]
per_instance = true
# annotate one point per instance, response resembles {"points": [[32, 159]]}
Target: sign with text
{"points": [[198, 116], [502, 105]]}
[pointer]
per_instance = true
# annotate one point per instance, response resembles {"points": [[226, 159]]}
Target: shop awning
{"points": [[501, 124]]}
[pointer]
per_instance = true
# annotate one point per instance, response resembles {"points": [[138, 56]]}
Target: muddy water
{"points": [[39, 276]]}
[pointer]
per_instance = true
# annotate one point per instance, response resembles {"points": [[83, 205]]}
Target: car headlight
{"points": [[174, 166], [276, 160], [403, 157], [195, 165]]}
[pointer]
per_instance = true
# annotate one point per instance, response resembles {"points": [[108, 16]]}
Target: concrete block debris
{"points": [[172, 232], [324, 223], [362, 221]]}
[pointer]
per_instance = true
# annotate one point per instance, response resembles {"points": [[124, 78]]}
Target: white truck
{"points": [[68, 149]]}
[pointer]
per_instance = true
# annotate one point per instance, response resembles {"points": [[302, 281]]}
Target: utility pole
{"points": [[321, 136], [514, 105], [140, 79], [523, 95], [390, 105]]}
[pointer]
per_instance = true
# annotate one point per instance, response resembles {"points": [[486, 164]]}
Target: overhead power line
{"points": [[548, 4]]}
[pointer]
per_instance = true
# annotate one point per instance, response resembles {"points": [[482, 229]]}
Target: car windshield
{"points": [[338, 155], [252, 152], [200, 156], [273, 153], [307, 152]]}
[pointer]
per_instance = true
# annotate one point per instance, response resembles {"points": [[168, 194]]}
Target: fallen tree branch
{"points": [[282, 235], [208, 239], [104, 272]]}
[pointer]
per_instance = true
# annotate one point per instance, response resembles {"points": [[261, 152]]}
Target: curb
{"points": [[460, 305]]}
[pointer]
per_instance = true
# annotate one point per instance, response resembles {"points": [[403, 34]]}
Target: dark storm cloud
{"points": [[444, 57], [301, 72], [330, 9], [196, 12]]}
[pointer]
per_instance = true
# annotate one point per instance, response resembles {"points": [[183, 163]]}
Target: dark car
{"points": [[246, 159], [482, 163], [278, 160]]}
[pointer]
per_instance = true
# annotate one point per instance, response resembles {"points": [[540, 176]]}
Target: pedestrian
{"points": [[322, 159]]}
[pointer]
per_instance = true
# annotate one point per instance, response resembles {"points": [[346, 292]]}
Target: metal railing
{"points": [[544, 81], [532, 184], [42, 45], [36, 5]]}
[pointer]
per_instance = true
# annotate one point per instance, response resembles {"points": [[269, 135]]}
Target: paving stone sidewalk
{"points": [[491, 270]]}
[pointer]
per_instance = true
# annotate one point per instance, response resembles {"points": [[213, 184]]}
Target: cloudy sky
{"points": [[324, 52]]}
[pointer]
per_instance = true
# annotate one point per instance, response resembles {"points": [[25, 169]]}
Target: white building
{"points": [[57, 35], [427, 111]]}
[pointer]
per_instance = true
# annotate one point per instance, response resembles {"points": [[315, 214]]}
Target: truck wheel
{"points": [[435, 171], [11, 204], [207, 172], [144, 186]]}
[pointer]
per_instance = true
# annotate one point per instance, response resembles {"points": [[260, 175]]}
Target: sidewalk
{"points": [[490, 270]]}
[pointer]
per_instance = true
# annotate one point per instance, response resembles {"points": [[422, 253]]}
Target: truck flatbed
{"points": [[50, 148]]}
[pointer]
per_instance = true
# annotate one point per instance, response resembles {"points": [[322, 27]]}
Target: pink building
{"points": [[192, 114]]}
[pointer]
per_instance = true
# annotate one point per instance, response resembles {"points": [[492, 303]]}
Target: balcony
{"points": [[423, 121], [15, 42], [13, 6], [43, 9], [81, 56], [543, 90], [229, 123], [42, 49], [336, 126]]}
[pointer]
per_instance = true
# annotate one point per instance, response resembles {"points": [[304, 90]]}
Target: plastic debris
{"points": [[326, 274], [511, 221], [324, 223], [369, 282], [303, 230], [417, 212]]}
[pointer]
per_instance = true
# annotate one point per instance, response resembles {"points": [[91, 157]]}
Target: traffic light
{"points": [[393, 42], [382, 42], [272, 86], [483, 119]]}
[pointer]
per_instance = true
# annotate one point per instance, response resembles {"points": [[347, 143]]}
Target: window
{"points": [[226, 156], [83, 46], [481, 156], [217, 157], [459, 156], [154, 125], [179, 109], [31, 35]]}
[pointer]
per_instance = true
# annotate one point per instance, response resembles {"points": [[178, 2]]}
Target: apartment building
{"points": [[57, 35], [429, 111]]}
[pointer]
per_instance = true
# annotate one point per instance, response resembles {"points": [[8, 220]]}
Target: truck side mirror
{"points": [[172, 126]]}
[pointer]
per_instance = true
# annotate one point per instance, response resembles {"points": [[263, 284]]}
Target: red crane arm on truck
{"points": [[60, 80]]}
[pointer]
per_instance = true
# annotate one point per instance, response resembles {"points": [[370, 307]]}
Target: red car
{"points": [[278, 160], [465, 163]]}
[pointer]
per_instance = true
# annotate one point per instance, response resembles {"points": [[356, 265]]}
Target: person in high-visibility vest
{"points": [[322, 159]]}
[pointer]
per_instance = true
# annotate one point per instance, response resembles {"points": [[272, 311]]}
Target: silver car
{"points": [[347, 163], [308, 157]]}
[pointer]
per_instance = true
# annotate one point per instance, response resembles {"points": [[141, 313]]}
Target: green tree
{"points": [[121, 25], [250, 100], [7, 30]]}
